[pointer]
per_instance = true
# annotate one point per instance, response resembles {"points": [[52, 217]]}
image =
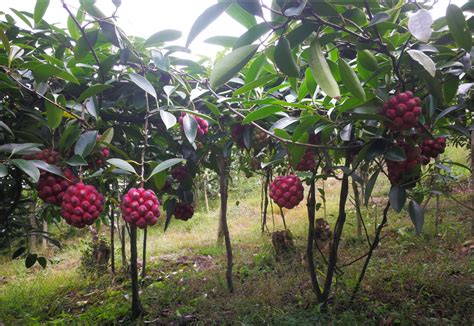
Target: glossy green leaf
{"points": [[458, 27], [207, 17], [378, 18], [43, 71], [395, 153], [5, 41], [397, 197], [163, 36], [76, 160], [28, 168], [350, 80], [284, 58], [42, 260], [367, 60], [417, 215], [424, 60], [42, 165], [93, 90], [40, 9], [3, 170], [252, 35], [225, 41], [240, 15], [254, 84], [168, 119], [262, 112], [321, 71], [166, 165], [370, 186], [143, 83], [54, 115], [86, 143], [419, 25], [190, 127], [81, 50], [122, 164], [231, 64], [251, 6], [69, 136], [30, 260]]}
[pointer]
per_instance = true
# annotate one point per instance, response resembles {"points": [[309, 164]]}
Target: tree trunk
{"points": [[124, 248], [206, 199], [357, 201], [112, 238], [45, 229], [311, 205], [265, 200], [223, 185], [136, 306], [34, 225], [472, 180], [144, 252]]}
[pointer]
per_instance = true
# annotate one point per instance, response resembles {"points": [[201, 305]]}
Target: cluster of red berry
{"points": [[202, 124], [287, 191], [432, 148], [308, 161], [399, 171], [402, 110], [140, 207], [82, 205], [183, 211]]}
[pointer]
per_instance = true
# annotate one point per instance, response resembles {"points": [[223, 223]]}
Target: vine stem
{"points": [[142, 177]]}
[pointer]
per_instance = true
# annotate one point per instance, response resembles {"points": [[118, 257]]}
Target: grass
{"points": [[412, 279]]}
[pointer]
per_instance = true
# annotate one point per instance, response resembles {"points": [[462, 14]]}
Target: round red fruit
{"points": [[308, 162], [183, 211], [202, 124], [82, 205], [140, 207], [287, 191], [180, 173]]}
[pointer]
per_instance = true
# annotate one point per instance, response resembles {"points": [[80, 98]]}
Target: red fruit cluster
{"points": [[403, 111], [433, 147], [180, 173], [82, 205], [103, 154], [397, 171], [308, 162], [51, 187], [183, 211], [287, 191], [202, 125], [140, 207], [47, 155], [237, 134]]}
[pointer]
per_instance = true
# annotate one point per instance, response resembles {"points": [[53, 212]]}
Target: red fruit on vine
{"points": [[400, 171], [402, 110], [180, 173], [82, 205], [183, 211], [51, 187], [433, 147], [237, 134], [202, 124], [47, 155], [259, 139], [308, 161], [287, 191], [140, 207]]}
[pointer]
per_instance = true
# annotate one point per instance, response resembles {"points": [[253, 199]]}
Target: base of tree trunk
{"points": [[283, 243]]}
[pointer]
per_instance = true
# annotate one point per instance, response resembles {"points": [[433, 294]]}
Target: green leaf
{"points": [[424, 60], [251, 6], [252, 35], [93, 90], [169, 206], [207, 17], [5, 41], [107, 136], [228, 66], [42, 165], [30, 260], [254, 84], [417, 215], [321, 71], [165, 165], [262, 112], [54, 115], [143, 83], [29, 168], [168, 119], [419, 25], [20, 148], [370, 186], [225, 41], [447, 111], [350, 80], [190, 127], [3, 170], [240, 15], [41, 260], [395, 153], [81, 50], [43, 71], [71, 25], [122, 164], [86, 143], [163, 36], [76, 160], [18, 252], [40, 9], [397, 197], [458, 27], [69, 136], [367, 60], [300, 33], [284, 58], [378, 18], [296, 152]]}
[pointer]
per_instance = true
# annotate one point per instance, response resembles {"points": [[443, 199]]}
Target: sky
{"points": [[146, 17]]}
